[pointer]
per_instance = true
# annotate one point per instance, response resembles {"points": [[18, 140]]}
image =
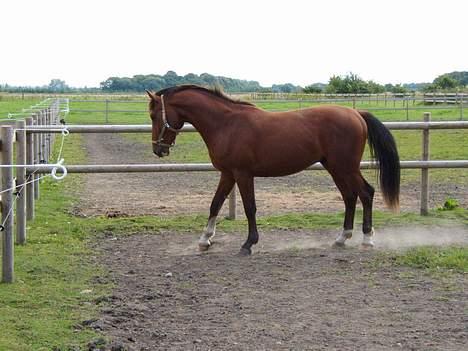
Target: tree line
{"points": [[157, 82], [348, 84], [353, 84]]}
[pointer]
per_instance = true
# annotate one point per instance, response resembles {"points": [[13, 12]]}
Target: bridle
{"points": [[165, 126]]}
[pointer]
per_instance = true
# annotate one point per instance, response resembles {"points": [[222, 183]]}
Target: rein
{"points": [[165, 126]]}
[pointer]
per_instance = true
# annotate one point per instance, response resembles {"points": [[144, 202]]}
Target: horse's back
{"points": [[342, 132], [323, 126], [282, 143]]}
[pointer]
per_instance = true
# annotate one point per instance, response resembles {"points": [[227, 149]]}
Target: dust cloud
{"points": [[389, 238], [394, 238]]}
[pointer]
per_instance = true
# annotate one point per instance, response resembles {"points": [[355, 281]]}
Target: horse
{"points": [[245, 142]]}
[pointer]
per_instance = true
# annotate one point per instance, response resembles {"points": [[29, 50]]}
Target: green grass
{"points": [[8, 105], [54, 275], [112, 116], [387, 113], [436, 259]]}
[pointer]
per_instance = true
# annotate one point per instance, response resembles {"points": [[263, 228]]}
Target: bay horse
{"points": [[245, 142]]}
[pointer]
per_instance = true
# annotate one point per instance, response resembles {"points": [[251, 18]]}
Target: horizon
{"points": [[162, 75], [301, 43]]}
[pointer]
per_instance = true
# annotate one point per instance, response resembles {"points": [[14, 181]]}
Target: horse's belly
{"points": [[279, 168], [280, 160]]}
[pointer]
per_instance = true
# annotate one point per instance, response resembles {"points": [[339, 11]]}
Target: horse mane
{"points": [[216, 91]]}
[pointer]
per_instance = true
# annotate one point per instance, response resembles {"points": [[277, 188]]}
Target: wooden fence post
{"points": [[37, 158], [20, 180], [107, 111], [232, 204], [425, 171], [407, 108], [30, 176], [6, 135], [47, 135], [43, 157], [461, 101]]}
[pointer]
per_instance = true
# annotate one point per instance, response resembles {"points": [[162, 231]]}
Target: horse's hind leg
{"points": [[245, 182], [351, 186], [366, 195], [349, 198], [226, 183]]}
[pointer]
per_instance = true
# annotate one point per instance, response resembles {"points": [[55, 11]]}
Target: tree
{"points": [[448, 81], [152, 83], [396, 89], [347, 85], [353, 84], [375, 88], [171, 78], [156, 82], [285, 88], [313, 89], [460, 77], [58, 86], [335, 84], [445, 82]]}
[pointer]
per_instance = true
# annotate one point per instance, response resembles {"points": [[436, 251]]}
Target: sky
{"points": [[273, 42]]}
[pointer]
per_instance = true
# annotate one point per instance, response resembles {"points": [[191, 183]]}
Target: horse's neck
{"points": [[209, 121]]}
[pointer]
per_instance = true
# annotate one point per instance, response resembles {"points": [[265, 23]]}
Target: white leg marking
{"points": [[210, 230], [367, 239], [340, 240]]}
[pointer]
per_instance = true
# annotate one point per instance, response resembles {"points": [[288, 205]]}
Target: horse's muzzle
{"points": [[161, 151]]}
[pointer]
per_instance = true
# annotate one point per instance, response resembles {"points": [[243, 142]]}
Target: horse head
{"points": [[165, 124]]}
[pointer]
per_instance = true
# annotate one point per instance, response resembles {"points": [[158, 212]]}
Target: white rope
{"points": [[2, 226], [64, 170], [56, 107], [53, 173], [58, 165], [59, 157], [17, 194]]}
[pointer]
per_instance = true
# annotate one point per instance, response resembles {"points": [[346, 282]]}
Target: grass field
{"points": [[58, 286], [98, 109], [15, 105]]}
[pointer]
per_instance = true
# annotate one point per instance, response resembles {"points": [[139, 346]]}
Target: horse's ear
{"points": [[151, 95]]}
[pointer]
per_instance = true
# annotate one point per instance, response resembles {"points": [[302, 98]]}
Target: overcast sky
{"points": [[84, 42]]}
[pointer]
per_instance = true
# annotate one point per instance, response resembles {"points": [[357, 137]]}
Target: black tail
{"points": [[383, 149]]}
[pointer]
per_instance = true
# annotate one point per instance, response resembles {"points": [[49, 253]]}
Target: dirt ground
{"points": [[294, 293]]}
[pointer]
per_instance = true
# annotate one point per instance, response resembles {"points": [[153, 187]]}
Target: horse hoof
{"points": [[245, 252], [367, 246], [338, 245], [203, 247]]}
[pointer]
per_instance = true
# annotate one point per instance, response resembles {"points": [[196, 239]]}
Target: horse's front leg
{"points": [[226, 183], [245, 183]]}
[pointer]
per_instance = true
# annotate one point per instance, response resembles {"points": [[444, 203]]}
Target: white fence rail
{"points": [[146, 128]]}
